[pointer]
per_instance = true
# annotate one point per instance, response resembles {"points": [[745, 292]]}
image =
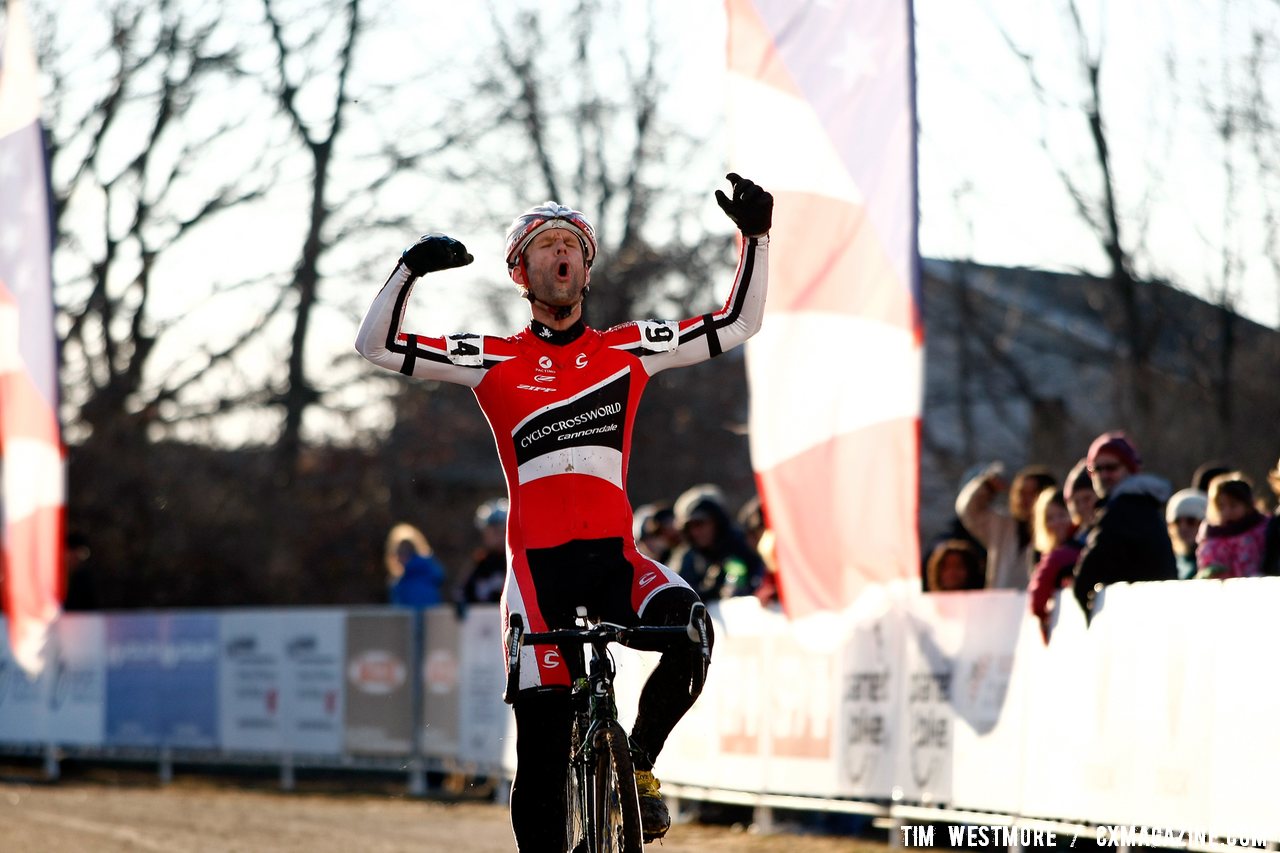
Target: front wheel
{"points": [[614, 805]]}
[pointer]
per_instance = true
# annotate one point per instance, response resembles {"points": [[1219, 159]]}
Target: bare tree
{"points": [[570, 107], [126, 137]]}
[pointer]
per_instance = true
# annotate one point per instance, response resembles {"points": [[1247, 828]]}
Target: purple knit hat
{"points": [[1118, 445], [1077, 479]]}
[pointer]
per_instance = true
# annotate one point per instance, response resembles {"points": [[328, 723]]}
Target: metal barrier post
{"points": [[52, 769]]}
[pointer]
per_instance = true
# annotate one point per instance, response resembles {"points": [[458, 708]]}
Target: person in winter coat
{"points": [[1271, 555], [1231, 543], [1055, 539], [1184, 515], [1005, 534], [715, 558], [1128, 541]]}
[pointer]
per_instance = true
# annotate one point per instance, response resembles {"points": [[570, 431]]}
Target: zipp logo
{"points": [[551, 659], [648, 578], [581, 360], [535, 388], [545, 363]]}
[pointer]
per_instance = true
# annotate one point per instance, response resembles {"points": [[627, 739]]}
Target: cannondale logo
{"points": [[648, 578], [581, 360], [551, 659], [544, 363]]}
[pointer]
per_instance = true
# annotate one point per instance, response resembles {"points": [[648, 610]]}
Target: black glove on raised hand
{"points": [[751, 208], [435, 252]]}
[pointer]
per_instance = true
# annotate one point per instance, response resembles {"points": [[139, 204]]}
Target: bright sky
{"points": [[988, 190]]}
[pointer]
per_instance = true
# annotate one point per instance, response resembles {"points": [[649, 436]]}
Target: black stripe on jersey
{"points": [[709, 324], [713, 337], [410, 355]]}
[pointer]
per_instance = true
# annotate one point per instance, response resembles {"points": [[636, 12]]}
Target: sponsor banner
{"points": [[1171, 698], [737, 694], [24, 698], [311, 694], [441, 665], [802, 662], [484, 720], [252, 679], [379, 684], [1058, 682], [988, 703], [871, 729], [162, 680], [78, 698], [1243, 696]]}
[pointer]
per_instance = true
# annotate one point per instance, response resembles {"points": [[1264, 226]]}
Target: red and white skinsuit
{"points": [[562, 406]]}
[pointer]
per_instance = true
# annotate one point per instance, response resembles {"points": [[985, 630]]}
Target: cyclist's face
{"points": [[554, 268]]}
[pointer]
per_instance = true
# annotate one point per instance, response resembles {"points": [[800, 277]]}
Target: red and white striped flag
{"points": [[821, 114], [31, 453]]}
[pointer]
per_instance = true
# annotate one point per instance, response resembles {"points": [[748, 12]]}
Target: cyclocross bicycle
{"points": [[603, 809]]}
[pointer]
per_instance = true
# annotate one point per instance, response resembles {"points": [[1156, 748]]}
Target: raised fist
{"points": [[435, 252], [750, 208]]}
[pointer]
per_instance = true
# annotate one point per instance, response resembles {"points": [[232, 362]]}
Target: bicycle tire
{"points": [[613, 819], [575, 796]]}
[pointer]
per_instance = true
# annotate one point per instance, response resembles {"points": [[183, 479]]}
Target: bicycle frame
{"points": [[602, 808]]}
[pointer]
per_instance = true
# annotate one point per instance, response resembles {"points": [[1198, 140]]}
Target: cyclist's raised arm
{"points": [[666, 344], [452, 358]]}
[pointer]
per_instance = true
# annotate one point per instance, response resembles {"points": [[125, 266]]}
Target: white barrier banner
{"points": [[871, 725], [987, 699], [484, 720], [312, 691], [1243, 740], [252, 681]]}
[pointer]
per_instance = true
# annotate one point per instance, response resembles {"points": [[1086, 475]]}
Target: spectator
{"points": [[1082, 500], [760, 537], [714, 558], [416, 576], [1232, 540], [1127, 541], [954, 565], [655, 531], [1204, 474], [1054, 534], [1271, 557], [1183, 515], [489, 562], [1005, 535]]}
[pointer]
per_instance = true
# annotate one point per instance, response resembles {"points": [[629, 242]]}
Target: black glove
{"points": [[435, 252], [751, 208]]}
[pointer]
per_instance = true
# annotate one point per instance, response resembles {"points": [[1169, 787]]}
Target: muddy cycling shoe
{"points": [[655, 820]]}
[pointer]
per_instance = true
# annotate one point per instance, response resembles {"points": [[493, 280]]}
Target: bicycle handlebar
{"points": [[695, 631]]}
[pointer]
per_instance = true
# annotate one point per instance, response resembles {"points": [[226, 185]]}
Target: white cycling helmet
{"points": [[544, 217]]}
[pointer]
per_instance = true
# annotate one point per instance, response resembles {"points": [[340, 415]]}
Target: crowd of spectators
{"points": [[1108, 521]]}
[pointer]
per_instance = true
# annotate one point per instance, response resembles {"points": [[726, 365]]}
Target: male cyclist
{"points": [[561, 399]]}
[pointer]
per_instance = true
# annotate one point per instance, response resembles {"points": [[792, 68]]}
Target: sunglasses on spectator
{"points": [[1105, 467]]}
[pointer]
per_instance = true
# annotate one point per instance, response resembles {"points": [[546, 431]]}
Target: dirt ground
{"points": [[105, 811]]}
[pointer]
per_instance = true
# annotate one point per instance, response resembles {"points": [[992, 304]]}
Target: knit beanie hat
{"points": [[1077, 479], [1118, 445], [1186, 503]]}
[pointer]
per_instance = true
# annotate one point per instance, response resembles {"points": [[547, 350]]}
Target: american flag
{"points": [[821, 113], [31, 453]]}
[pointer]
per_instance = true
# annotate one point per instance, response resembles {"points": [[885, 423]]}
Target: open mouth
{"points": [[562, 271]]}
